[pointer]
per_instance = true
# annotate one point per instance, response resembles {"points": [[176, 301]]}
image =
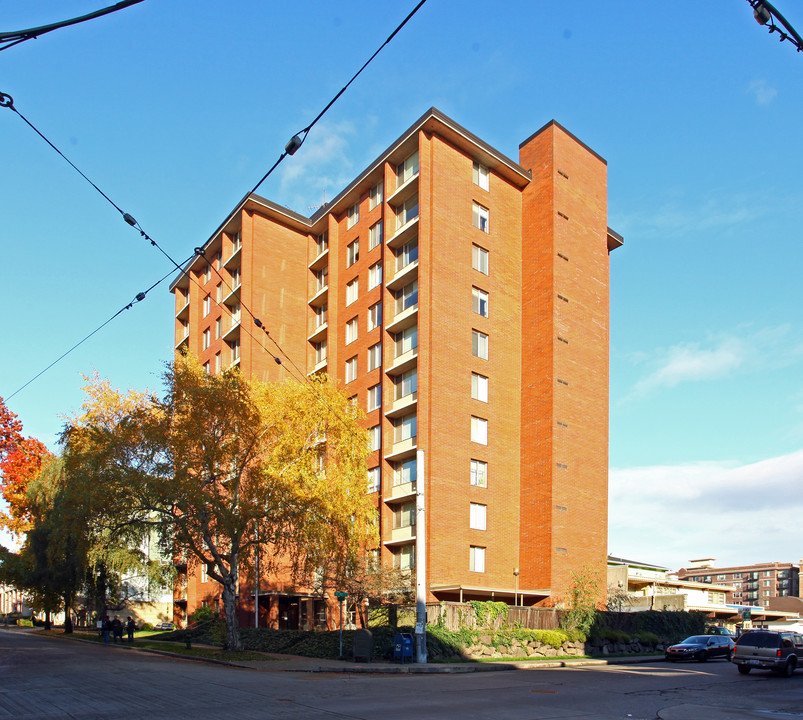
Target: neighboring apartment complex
{"points": [[462, 299], [754, 584]]}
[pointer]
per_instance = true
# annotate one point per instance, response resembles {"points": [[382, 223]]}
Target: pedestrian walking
{"points": [[117, 629], [106, 626], [130, 626]]}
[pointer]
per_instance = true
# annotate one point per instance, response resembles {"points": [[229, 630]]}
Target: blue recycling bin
{"points": [[403, 647]]}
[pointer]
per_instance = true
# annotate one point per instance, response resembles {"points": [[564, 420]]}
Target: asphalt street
{"points": [[43, 677]]}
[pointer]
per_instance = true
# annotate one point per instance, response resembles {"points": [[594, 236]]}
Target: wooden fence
{"points": [[455, 615]]}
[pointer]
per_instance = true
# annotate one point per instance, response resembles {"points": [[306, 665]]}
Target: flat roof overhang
{"points": [[491, 592]]}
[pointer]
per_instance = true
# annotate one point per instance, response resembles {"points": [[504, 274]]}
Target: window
{"points": [[374, 357], [404, 559], [479, 259], [218, 363], [322, 243], [481, 177], [235, 351], [351, 369], [321, 279], [479, 344], [207, 305], [407, 253], [218, 328], [235, 279], [208, 272], [321, 315], [407, 211], [320, 351], [407, 297], [375, 316], [352, 290], [479, 387], [767, 573], [407, 169], [207, 338], [479, 473], [404, 516], [405, 472], [406, 384], [479, 301], [352, 253], [477, 516], [353, 215], [374, 397], [479, 217], [479, 430], [375, 235], [236, 242], [375, 434], [737, 576], [219, 292], [206, 368], [766, 583], [351, 330], [406, 340], [185, 329], [235, 314], [405, 428], [375, 196], [374, 275], [476, 561], [373, 480]]}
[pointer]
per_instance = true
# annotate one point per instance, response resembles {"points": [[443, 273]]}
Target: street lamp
{"points": [[516, 577], [766, 14]]}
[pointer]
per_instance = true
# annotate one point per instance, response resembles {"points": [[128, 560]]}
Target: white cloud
{"points": [[762, 93], [668, 515]]}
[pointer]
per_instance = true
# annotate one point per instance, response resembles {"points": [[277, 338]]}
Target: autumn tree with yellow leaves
{"points": [[222, 464]]}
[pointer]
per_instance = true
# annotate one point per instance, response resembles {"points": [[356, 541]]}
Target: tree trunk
{"points": [[47, 620], [233, 641]]}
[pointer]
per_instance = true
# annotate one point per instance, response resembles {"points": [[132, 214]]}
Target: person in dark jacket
{"points": [[107, 628], [130, 626], [117, 629]]}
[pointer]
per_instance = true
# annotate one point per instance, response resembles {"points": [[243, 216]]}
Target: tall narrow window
{"points": [[375, 235], [236, 241], [351, 369], [480, 217], [320, 352], [374, 397], [479, 344], [235, 278], [479, 430], [481, 176], [479, 473], [374, 275], [235, 351], [407, 211], [476, 562], [479, 301], [404, 516], [373, 480], [207, 305], [406, 384], [322, 243], [207, 337], [477, 516], [352, 291], [351, 331], [406, 340], [405, 428], [405, 472], [407, 297], [479, 387], [374, 316], [479, 259], [353, 216], [375, 434], [218, 363], [407, 169], [375, 195], [374, 357], [321, 315], [407, 253], [404, 558], [352, 253], [321, 279]]}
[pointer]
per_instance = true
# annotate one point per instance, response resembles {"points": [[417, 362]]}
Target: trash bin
{"points": [[363, 645], [403, 647]]}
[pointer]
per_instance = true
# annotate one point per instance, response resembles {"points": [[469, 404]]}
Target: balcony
{"points": [[233, 297], [318, 367], [184, 312], [184, 342], [320, 298], [404, 233], [234, 259], [402, 406], [403, 319], [404, 276], [233, 331], [403, 362], [319, 333], [405, 191], [399, 493], [402, 449], [320, 261], [400, 536]]}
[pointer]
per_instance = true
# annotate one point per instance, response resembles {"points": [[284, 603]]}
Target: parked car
{"points": [[700, 648], [720, 630], [163, 626], [779, 651]]}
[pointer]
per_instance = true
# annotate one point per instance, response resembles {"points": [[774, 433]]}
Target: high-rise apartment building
{"points": [[462, 299], [754, 584]]}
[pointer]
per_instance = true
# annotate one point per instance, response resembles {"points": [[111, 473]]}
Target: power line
{"points": [[137, 299], [18, 36]]}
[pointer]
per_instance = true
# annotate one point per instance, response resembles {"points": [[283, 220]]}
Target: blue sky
{"points": [[175, 109]]}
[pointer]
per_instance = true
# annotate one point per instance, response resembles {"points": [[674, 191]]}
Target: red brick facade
{"points": [[511, 362]]}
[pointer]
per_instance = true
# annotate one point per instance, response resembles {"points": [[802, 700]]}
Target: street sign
{"points": [[340, 595]]}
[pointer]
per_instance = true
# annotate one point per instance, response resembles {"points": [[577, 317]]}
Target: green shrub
{"points": [[203, 615], [146, 626], [648, 638]]}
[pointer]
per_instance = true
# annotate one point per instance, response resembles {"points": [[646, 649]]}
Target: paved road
{"points": [[49, 678]]}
